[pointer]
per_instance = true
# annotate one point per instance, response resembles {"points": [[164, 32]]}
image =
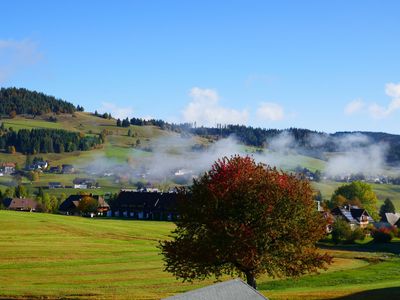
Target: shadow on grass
{"points": [[392, 247], [378, 294]]}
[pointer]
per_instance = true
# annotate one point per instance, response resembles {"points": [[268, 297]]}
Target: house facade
{"points": [[7, 167], [71, 205], [84, 183], [354, 215], [20, 204], [145, 206]]}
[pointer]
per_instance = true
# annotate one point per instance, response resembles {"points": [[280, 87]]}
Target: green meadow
{"points": [[47, 256]]}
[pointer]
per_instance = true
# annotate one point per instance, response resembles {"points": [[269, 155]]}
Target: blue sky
{"points": [[323, 65]]}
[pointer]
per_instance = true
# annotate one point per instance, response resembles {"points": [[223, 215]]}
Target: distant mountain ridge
{"points": [[17, 101]]}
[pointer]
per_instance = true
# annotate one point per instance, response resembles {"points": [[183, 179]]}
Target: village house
{"points": [[38, 166], [7, 167], [20, 204], [84, 183], [145, 205], [354, 215], [71, 205]]}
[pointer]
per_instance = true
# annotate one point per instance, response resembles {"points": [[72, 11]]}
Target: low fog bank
{"points": [[181, 158]]}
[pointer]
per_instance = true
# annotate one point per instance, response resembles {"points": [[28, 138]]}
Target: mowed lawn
{"points": [[51, 256]]}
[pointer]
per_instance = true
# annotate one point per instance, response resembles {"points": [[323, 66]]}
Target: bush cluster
{"points": [[342, 233], [384, 234]]}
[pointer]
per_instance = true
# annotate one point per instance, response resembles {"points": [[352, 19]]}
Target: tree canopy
{"points": [[387, 207], [15, 101], [356, 193], [243, 218]]}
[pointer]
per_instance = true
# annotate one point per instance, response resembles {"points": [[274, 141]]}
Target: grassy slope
{"points": [[55, 256]]}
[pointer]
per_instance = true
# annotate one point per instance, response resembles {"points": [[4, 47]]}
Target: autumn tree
{"points": [[358, 193], [88, 205], [243, 218]]}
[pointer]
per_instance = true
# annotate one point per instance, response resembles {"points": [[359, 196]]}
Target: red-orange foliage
{"points": [[245, 218]]}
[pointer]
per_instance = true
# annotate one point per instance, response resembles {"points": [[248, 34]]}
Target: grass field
{"points": [[52, 257]]}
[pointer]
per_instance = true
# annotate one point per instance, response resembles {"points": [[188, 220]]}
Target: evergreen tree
{"points": [[387, 207]]}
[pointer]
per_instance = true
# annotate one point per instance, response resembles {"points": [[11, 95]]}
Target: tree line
{"points": [[14, 101], [46, 141], [305, 141]]}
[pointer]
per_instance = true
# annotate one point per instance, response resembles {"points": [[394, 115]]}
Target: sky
{"points": [[323, 65]]}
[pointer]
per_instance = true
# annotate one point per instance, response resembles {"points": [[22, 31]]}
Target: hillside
{"points": [[15, 101], [163, 155]]}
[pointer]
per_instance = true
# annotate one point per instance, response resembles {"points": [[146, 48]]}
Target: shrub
{"points": [[383, 234], [357, 234], [342, 233]]}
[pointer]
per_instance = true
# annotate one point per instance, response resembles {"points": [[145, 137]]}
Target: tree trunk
{"points": [[251, 281]]}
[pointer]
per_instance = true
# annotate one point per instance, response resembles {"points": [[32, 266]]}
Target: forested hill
{"points": [[304, 141], [15, 101]]}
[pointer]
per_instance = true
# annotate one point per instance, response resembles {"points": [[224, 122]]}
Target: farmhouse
{"points": [[145, 205], [71, 204], [20, 204], [354, 215]]}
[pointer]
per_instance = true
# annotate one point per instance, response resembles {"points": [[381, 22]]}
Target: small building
{"points": [[67, 169], [20, 204], [145, 205], [354, 215], [84, 183], [38, 166], [7, 167], [71, 204], [234, 289], [55, 185]]}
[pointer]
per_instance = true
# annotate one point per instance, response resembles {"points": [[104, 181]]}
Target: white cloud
{"points": [[204, 109], [17, 55], [354, 107], [270, 112], [117, 112], [379, 111]]}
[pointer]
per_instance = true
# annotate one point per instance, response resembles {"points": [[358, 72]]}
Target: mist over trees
{"points": [[15, 101], [303, 141]]}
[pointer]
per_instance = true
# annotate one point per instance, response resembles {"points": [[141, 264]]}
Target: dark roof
{"points": [[146, 200], [20, 204], [229, 290], [72, 202], [353, 215], [345, 213]]}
